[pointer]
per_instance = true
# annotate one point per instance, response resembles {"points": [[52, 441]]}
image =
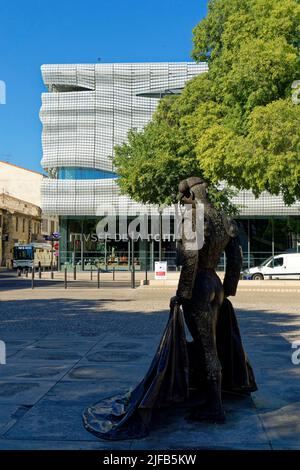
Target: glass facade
{"points": [[88, 109], [70, 173]]}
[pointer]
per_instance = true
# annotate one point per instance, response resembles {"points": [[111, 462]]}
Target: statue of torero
{"points": [[215, 360], [200, 291]]}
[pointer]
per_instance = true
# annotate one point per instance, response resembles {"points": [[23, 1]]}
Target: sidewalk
{"points": [[67, 353], [171, 281]]}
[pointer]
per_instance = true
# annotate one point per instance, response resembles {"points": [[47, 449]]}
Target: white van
{"points": [[285, 266]]}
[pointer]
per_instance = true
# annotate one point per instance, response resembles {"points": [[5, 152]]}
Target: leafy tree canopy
{"points": [[237, 122]]}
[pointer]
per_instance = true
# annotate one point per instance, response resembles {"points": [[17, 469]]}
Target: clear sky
{"points": [[35, 32]]}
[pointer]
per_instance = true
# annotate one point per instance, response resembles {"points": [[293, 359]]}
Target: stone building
{"points": [[20, 222], [21, 217]]}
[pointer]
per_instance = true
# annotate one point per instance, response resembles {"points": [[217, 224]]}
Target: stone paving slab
{"points": [[38, 354], [75, 393], [80, 346], [76, 355], [14, 346], [41, 370], [9, 415], [283, 425], [242, 427], [86, 370], [40, 444], [23, 393], [52, 420]]}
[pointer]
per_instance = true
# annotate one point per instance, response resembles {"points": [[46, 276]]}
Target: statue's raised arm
{"points": [[234, 260]]}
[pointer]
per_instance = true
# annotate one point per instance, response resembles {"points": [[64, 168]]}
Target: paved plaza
{"points": [[67, 349]]}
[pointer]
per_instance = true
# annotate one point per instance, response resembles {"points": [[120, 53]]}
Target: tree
{"points": [[237, 122]]}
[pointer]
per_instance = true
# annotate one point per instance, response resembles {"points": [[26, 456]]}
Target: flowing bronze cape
{"points": [[175, 369]]}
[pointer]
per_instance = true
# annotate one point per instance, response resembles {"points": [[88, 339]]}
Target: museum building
{"points": [[87, 110]]}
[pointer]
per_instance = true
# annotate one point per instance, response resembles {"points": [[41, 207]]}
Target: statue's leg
{"points": [[206, 326], [201, 317]]}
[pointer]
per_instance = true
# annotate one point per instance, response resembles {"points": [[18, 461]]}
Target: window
{"points": [[23, 228], [278, 262], [45, 225], [73, 173], [23, 252], [52, 226], [17, 224]]}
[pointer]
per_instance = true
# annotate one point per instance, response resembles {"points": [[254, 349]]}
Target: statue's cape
{"points": [[173, 372]]}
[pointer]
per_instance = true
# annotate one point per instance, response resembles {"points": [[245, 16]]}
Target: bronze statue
{"points": [[214, 361], [201, 293]]}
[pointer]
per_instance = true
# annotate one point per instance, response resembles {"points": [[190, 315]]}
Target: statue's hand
{"points": [[176, 300]]}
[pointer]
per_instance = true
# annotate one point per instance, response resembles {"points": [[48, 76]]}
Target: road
{"points": [[69, 348], [10, 281]]}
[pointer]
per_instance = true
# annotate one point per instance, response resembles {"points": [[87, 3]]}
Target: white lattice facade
{"points": [[87, 111]]}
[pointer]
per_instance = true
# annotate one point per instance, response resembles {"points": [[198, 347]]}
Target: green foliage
{"points": [[236, 123]]}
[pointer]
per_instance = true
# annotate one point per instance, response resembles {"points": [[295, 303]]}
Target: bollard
{"points": [[40, 272], [66, 279], [146, 265], [74, 273], [26, 272], [32, 278], [91, 273], [132, 264], [98, 278], [113, 273]]}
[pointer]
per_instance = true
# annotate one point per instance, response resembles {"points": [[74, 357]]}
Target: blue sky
{"points": [[35, 32]]}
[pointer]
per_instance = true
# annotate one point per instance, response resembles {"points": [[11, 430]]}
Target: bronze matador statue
{"points": [[214, 361], [201, 293]]}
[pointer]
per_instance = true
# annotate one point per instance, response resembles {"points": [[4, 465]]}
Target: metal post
{"points": [[249, 246], [273, 239], [128, 255], [52, 258], [32, 278], [40, 272], [74, 273], [113, 273], [91, 272], [105, 253], [98, 278], [160, 236], [74, 250], [81, 247], [66, 277], [146, 263], [152, 255], [132, 264]]}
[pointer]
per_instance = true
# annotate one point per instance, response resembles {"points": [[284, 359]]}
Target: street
{"points": [[67, 349]]}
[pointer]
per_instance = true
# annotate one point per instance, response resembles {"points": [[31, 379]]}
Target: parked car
{"points": [[284, 266]]}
